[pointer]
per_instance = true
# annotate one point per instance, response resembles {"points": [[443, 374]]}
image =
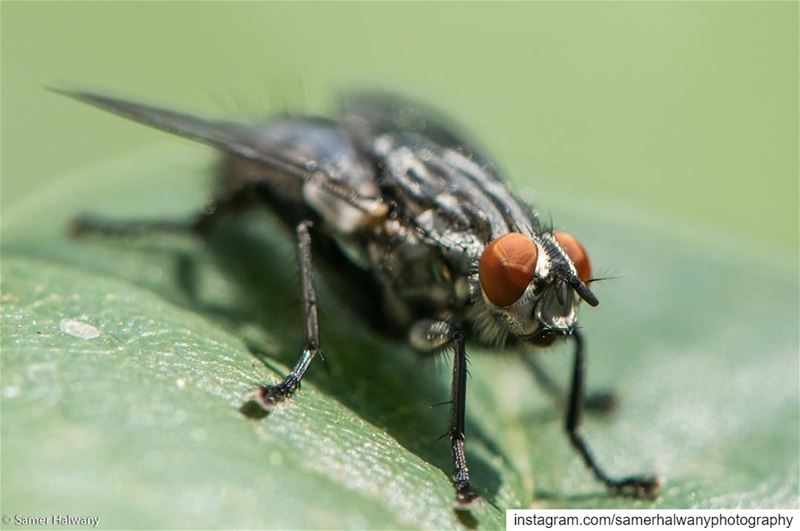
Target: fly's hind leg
{"points": [[86, 225], [200, 224], [271, 395], [427, 336]]}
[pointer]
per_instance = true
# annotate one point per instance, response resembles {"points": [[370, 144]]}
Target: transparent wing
{"points": [[240, 139]]}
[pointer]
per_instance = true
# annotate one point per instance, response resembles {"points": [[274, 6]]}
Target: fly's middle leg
{"points": [[635, 486], [271, 395], [429, 335]]}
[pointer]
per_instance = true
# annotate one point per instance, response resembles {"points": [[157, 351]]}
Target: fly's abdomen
{"points": [[337, 182]]}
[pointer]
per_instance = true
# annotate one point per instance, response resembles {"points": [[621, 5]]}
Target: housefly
{"points": [[399, 198]]}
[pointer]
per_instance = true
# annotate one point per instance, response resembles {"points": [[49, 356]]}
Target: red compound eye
{"points": [[506, 268], [576, 252]]}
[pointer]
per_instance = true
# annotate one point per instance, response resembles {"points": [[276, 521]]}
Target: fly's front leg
{"points": [[602, 402], [636, 486], [271, 395], [429, 335]]}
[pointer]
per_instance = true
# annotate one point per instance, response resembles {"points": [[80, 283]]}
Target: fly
{"points": [[400, 199]]}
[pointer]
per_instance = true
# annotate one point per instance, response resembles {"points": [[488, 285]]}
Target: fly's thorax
{"points": [[415, 274], [531, 286]]}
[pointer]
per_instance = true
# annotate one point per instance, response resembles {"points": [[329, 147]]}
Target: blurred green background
{"points": [[682, 108]]}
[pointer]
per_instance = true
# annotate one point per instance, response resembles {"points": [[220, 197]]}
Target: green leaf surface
{"points": [[124, 365]]}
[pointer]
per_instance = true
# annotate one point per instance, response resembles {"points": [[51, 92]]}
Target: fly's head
{"points": [[534, 284]]}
